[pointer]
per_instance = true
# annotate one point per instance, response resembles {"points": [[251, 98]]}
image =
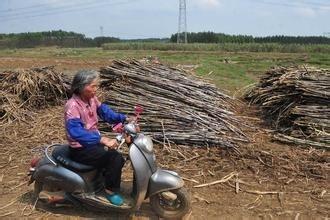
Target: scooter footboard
{"points": [[164, 180]]}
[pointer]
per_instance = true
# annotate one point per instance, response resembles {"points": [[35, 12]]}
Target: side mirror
{"points": [[138, 110]]}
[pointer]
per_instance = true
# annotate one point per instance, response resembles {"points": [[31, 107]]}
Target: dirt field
{"points": [[271, 181]]}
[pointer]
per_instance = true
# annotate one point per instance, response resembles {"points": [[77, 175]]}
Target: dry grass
{"points": [[23, 91], [295, 100]]}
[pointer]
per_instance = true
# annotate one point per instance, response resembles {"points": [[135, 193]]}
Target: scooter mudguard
{"points": [[60, 177], [164, 180]]}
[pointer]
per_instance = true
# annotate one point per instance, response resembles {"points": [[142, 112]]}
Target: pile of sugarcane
{"points": [[296, 101], [26, 89], [178, 107]]}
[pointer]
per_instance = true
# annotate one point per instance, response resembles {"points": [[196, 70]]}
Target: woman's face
{"points": [[90, 90]]}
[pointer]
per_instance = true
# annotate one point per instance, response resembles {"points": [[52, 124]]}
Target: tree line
{"points": [[52, 38], [72, 39], [211, 37]]}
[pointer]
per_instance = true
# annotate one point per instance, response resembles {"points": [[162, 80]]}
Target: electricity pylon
{"points": [[182, 30]]}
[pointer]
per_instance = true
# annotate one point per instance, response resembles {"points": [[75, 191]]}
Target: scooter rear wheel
{"points": [[171, 208]]}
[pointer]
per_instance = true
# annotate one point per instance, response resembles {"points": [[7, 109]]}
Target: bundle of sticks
{"points": [[26, 89], [296, 101], [178, 107]]}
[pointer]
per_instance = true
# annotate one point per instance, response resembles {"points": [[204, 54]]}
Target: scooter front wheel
{"points": [[174, 206]]}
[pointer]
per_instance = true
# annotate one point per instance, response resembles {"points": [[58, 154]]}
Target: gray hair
{"points": [[81, 79]]}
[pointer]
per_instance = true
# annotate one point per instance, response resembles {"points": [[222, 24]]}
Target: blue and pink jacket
{"points": [[81, 121]]}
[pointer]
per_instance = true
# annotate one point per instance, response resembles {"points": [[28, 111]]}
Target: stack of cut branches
{"points": [[23, 90], [296, 101], [179, 107]]}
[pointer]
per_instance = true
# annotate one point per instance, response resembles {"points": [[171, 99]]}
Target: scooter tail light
{"points": [[34, 162]]}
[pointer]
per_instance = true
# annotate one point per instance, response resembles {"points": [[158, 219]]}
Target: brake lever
{"points": [[121, 144]]}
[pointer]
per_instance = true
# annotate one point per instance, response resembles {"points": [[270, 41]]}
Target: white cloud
{"points": [[306, 12], [60, 3], [210, 3], [207, 3], [325, 8]]}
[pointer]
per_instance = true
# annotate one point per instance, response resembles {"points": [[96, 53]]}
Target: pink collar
{"points": [[80, 101]]}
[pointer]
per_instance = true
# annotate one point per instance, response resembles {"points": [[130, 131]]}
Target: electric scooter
{"points": [[82, 184]]}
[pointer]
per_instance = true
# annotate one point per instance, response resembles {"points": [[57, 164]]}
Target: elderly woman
{"points": [[86, 142]]}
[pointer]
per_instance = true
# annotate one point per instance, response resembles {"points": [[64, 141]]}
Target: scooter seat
{"points": [[61, 154]]}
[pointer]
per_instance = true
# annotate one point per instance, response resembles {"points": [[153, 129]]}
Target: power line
{"points": [[294, 5], [317, 3], [49, 8], [65, 11], [54, 9], [11, 10], [312, 3], [114, 33], [23, 8]]}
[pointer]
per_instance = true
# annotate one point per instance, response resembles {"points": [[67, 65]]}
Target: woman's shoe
{"points": [[115, 199]]}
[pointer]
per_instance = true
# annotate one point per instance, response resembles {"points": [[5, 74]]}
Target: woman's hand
{"points": [[131, 118], [110, 143]]}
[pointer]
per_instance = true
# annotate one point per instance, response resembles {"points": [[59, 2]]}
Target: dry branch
{"points": [[222, 180], [296, 101], [24, 90], [191, 111]]}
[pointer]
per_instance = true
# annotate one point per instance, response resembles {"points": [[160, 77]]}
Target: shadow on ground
{"points": [[83, 212]]}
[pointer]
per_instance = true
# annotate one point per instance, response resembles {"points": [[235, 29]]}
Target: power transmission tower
{"points": [[182, 31], [101, 31]]}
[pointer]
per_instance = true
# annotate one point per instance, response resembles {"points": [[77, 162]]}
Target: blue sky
{"points": [[159, 18]]}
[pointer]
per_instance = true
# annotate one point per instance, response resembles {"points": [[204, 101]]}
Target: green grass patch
{"points": [[228, 70], [224, 47]]}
